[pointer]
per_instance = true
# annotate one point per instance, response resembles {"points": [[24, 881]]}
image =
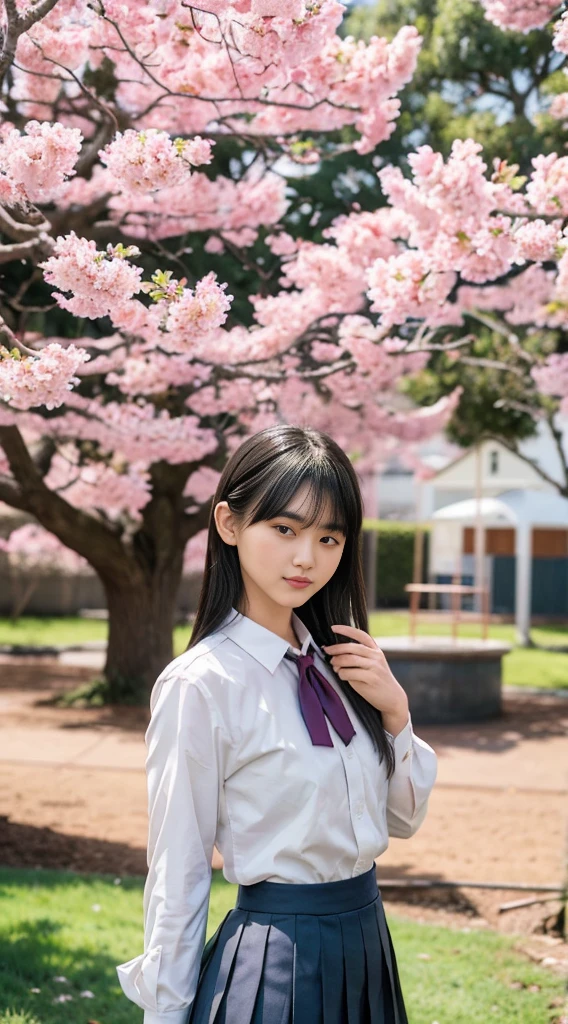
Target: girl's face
{"points": [[274, 550]]}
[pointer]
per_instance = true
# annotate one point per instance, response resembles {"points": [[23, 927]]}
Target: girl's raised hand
{"points": [[364, 666]]}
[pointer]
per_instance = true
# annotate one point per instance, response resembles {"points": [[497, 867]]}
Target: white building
{"points": [[525, 552], [524, 518], [402, 496]]}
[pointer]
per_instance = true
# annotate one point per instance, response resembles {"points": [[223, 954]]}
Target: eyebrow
{"points": [[334, 527]]}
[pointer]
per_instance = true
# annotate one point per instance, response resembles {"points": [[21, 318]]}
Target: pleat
{"points": [[296, 968], [213, 958], [390, 959], [210, 946], [397, 994], [248, 967], [332, 969], [275, 1003], [306, 998], [354, 954], [227, 957], [375, 962]]}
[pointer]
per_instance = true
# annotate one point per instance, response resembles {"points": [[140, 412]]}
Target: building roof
{"points": [[493, 512], [539, 508]]}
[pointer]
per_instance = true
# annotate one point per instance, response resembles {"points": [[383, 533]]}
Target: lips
{"points": [[298, 579]]}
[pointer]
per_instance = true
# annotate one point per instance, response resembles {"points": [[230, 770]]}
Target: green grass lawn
{"points": [[522, 667], [60, 924]]}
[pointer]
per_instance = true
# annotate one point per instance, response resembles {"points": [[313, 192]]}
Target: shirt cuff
{"points": [[403, 744], [166, 1017]]}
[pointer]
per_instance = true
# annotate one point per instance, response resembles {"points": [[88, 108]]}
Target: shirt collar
{"points": [[267, 647]]}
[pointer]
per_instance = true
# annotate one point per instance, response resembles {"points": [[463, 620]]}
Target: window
{"points": [[494, 461]]}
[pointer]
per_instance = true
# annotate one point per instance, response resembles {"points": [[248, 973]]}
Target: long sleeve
{"points": [[184, 769], [416, 767]]}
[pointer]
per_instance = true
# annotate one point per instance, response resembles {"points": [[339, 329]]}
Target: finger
{"points": [[350, 646], [355, 676], [347, 660], [357, 634]]}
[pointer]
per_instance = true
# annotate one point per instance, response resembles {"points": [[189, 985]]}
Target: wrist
{"points": [[396, 718]]}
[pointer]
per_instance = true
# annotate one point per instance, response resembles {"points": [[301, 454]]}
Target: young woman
{"points": [[282, 737]]}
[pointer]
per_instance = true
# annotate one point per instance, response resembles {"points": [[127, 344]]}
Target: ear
{"points": [[224, 522]]}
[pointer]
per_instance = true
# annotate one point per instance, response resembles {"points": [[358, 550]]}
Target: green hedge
{"points": [[395, 560]]}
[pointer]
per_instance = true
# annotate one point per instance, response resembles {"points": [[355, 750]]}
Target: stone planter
{"points": [[447, 680]]}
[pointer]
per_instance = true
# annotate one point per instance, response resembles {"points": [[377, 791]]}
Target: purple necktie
{"points": [[317, 699]]}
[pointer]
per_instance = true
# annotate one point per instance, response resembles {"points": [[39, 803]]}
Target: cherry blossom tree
{"points": [[115, 425], [126, 375]]}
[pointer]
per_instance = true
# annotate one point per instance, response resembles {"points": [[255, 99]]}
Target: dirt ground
{"points": [[94, 817]]}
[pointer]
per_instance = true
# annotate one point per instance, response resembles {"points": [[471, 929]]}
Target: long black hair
{"points": [[257, 482]]}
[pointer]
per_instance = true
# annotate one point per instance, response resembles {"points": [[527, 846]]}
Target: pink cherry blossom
{"points": [[537, 240], [146, 161], [36, 165], [560, 41], [559, 107], [197, 312], [547, 190], [99, 281], [405, 286], [32, 547], [519, 15], [44, 379], [276, 78], [552, 377], [282, 244], [201, 484], [119, 485], [195, 551]]}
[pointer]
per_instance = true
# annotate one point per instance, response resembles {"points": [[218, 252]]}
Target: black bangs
{"points": [[326, 491]]}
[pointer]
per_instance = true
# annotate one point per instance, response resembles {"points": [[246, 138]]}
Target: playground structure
{"points": [[448, 678], [456, 589]]}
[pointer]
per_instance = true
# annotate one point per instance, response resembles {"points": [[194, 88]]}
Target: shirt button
{"points": [[349, 752], [359, 809]]}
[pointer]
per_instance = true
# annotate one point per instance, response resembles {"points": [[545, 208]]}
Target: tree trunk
{"points": [[140, 640], [141, 573]]}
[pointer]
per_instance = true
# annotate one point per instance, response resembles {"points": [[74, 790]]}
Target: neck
{"points": [[273, 616]]}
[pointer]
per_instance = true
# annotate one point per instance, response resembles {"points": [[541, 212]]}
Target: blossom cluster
{"points": [[142, 162], [348, 312], [35, 166], [519, 15], [43, 380], [280, 65]]}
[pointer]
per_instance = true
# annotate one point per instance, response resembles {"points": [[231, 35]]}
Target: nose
{"points": [[304, 557]]}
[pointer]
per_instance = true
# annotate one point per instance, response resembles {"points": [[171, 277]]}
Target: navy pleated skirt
{"points": [[306, 953]]}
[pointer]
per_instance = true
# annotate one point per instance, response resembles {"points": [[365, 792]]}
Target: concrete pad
{"points": [[114, 750], [53, 746], [88, 659], [519, 767]]}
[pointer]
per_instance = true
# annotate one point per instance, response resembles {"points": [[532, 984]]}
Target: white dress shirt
{"points": [[230, 763]]}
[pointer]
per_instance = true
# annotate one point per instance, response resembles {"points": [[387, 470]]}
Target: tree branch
{"points": [[23, 250], [85, 534], [20, 230], [530, 462], [11, 495], [198, 521], [43, 453], [16, 343], [17, 25]]}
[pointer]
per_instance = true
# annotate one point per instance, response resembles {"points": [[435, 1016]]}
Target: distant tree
{"points": [[474, 80]]}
